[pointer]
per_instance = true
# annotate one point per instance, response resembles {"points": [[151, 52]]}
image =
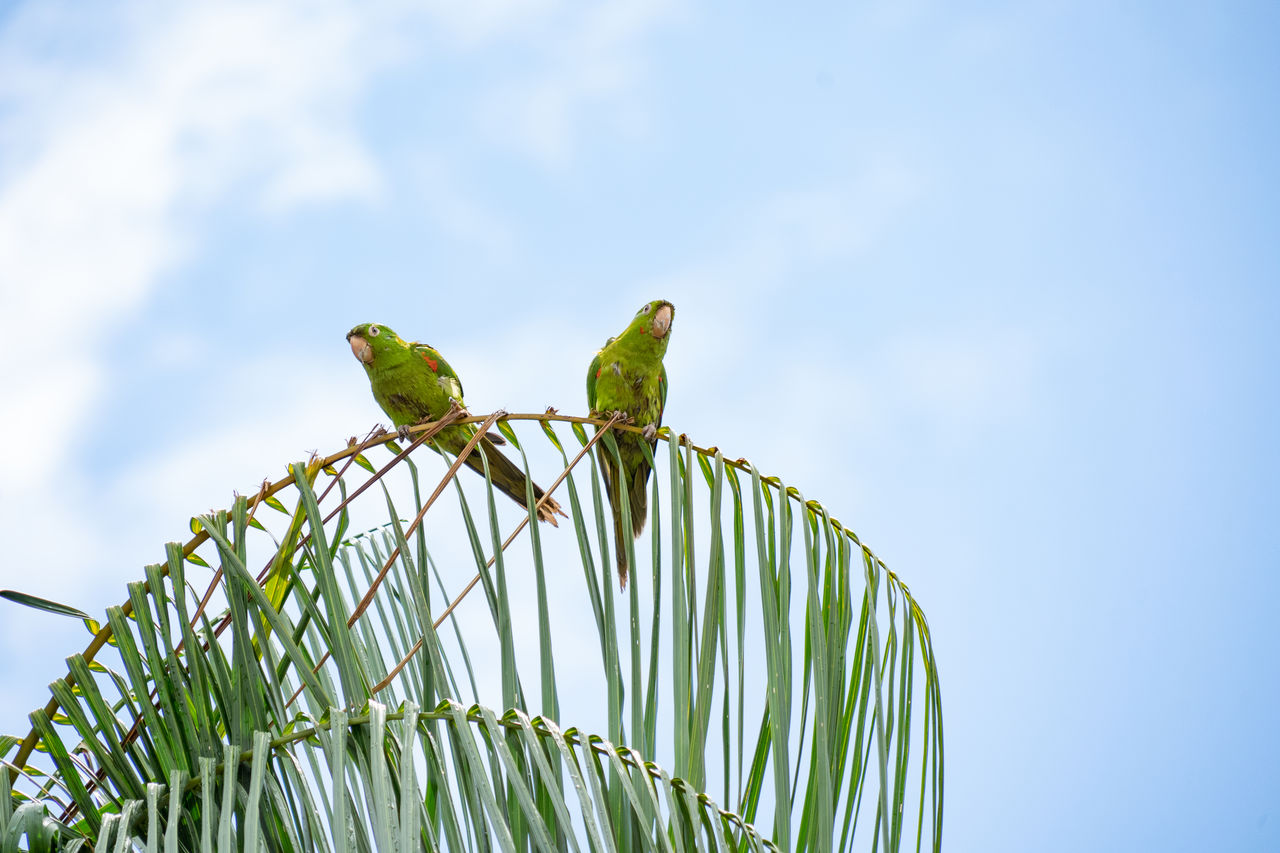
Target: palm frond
{"points": [[767, 659]]}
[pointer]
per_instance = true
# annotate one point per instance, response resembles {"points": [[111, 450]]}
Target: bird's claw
{"points": [[403, 432], [650, 432]]}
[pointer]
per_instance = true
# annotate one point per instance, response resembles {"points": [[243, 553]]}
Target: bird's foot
{"points": [[650, 432], [403, 431]]}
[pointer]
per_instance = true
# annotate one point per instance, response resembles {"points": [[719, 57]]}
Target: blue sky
{"points": [[1012, 268]]}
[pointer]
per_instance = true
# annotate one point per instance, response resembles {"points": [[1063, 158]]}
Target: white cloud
{"points": [[104, 156], [109, 151], [592, 67], [964, 379], [273, 422], [772, 247], [482, 21], [456, 213], [119, 126], [784, 260], [843, 220]]}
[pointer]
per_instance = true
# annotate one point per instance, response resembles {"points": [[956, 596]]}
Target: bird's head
{"points": [[654, 319], [368, 340]]}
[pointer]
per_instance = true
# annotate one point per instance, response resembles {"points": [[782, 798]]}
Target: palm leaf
{"points": [[753, 690]]}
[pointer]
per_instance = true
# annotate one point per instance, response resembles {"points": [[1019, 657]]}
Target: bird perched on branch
{"points": [[627, 375], [413, 383]]}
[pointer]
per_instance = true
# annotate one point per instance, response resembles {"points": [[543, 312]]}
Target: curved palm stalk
{"points": [[768, 659]]}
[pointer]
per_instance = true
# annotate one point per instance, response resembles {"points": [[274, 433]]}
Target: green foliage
{"points": [[753, 689]]}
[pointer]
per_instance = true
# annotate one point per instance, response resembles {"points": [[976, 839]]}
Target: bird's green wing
{"points": [[436, 362], [662, 391], [591, 382]]}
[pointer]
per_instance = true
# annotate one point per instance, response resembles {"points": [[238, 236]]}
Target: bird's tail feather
{"points": [[619, 537], [612, 486], [510, 479], [639, 499], [637, 495]]}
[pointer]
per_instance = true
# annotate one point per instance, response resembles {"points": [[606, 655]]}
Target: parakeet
{"points": [[412, 382], [627, 375]]}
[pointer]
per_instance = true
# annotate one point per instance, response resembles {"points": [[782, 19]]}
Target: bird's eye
{"points": [[644, 310], [374, 331]]}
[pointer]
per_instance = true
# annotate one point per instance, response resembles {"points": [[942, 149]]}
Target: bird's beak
{"points": [[360, 349], [662, 321]]}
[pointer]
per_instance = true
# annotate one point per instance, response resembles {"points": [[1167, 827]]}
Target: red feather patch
{"points": [[431, 362]]}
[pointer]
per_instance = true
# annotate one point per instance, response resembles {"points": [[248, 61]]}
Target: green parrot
{"points": [[627, 375], [413, 383]]}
